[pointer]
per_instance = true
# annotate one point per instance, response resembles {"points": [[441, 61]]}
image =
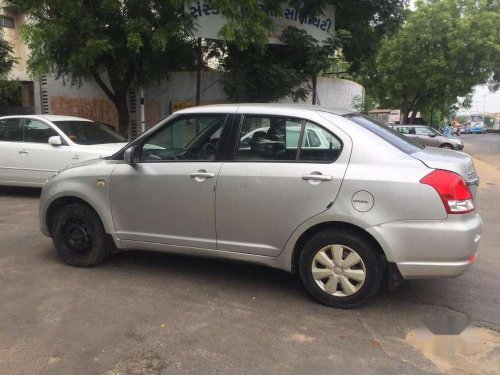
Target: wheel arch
{"points": [[299, 244], [63, 201], [442, 145]]}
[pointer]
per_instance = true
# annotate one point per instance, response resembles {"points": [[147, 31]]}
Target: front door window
{"points": [[194, 138]]}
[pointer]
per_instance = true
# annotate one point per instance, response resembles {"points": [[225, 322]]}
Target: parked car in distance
{"points": [[428, 136], [367, 204], [477, 129], [33, 148]]}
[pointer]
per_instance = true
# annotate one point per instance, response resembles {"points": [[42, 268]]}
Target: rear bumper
{"points": [[431, 249]]}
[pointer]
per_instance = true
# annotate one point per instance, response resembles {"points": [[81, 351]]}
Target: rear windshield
{"points": [[89, 132], [390, 135]]}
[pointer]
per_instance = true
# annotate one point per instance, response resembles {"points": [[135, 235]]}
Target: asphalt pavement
{"points": [[151, 313]]}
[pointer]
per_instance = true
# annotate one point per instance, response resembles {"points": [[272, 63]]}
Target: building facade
{"points": [[11, 21]]}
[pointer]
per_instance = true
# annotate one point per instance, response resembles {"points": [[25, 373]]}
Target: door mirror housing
{"points": [[55, 140], [432, 135], [131, 155]]}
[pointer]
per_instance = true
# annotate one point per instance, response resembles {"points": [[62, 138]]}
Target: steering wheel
{"points": [[209, 151]]}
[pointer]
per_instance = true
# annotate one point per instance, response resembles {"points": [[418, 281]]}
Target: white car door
{"points": [[11, 142], [38, 159]]}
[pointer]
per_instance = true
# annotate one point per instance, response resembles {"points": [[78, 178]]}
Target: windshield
{"points": [[89, 132], [390, 135]]}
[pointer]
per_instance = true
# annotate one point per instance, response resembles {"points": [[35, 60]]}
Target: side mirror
{"points": [[432, 135], [55, 141], [131, 155]]}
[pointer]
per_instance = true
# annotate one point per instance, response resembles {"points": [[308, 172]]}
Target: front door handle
{"points": [[23, 152], [317, 177], [202, 174]]}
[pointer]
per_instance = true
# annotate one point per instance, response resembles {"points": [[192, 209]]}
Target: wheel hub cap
{"points": [[338, 270]]}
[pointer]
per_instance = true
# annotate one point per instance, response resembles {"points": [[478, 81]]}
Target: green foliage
{"points": [[488, 121], [10, 93], [363, 104], [7, 61], [256, 75], [367, 21], [276, 71], [445, 49]]}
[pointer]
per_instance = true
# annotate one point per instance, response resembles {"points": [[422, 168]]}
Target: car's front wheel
{"points": [[447, 146], [79, 236], [340, 268]]}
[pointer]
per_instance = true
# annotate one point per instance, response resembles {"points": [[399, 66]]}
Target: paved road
{"points": [[485, 147], [148, 313]]}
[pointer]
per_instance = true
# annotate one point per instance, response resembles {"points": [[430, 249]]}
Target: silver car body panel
{"points": [[257, 212]]}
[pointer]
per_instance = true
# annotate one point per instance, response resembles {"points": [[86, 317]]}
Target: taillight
{"points": [[453, 190]]}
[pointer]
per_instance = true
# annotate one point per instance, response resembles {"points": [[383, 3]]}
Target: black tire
{"points": [[447, 146], [373, 267], [79, 236]]}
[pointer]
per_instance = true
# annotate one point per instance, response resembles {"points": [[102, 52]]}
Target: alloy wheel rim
{"points": [[338, 270]]}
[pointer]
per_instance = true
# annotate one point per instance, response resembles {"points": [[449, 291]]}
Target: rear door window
{"points": [[11, 130], [275, 138]]}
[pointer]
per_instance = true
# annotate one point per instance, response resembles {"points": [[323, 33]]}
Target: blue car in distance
{"points": [[477, 129]]}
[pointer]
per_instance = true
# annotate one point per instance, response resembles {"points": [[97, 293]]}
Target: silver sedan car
{"points": [[331, 195]]}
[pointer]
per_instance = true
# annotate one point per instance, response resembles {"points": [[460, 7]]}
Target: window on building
{"points": [[7, 22]]}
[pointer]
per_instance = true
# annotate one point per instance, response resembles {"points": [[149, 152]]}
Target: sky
{"points": [[491, 101]]}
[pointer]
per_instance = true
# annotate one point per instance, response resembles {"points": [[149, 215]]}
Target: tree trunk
{"points": [[123, 114], [118, 95], [404, 115], [314, 87], [413, 116]]}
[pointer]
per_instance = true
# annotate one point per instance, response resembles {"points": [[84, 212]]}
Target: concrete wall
{"points": [[162, 98], [85, 100]]}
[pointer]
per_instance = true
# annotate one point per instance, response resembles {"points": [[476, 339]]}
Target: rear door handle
{"points": [[317, 177], [23, 152], [201, 174]]}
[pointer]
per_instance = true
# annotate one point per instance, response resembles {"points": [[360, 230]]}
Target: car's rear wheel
{"points": [[79, 236], [340, 268], [447, 146]]}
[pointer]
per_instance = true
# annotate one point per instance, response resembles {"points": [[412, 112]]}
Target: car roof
{"points": [[48, 117], [263, 106]]}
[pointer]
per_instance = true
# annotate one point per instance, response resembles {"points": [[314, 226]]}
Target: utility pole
{"points": [[198, 72], [484, 106]]}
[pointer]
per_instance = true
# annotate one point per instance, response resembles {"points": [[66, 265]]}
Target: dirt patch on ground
{"points": [[489, 174], [475, 351]]}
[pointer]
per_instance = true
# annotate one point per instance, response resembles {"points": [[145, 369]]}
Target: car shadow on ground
{"points": [[15, 191], [232, 277]]}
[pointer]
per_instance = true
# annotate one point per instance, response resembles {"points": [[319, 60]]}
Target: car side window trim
{"points": [[238, 127]]}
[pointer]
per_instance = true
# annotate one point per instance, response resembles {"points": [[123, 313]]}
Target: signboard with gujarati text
{"points": [[210, 21]]}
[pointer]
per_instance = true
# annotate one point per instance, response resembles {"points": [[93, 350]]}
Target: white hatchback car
{"points": [[33, 148]]}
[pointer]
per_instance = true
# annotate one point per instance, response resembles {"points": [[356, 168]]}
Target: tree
{"points": [[269, 73], [7, 60], [444, 49], [363, 104], [112, 41], [272, 72], [10, 91]]}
